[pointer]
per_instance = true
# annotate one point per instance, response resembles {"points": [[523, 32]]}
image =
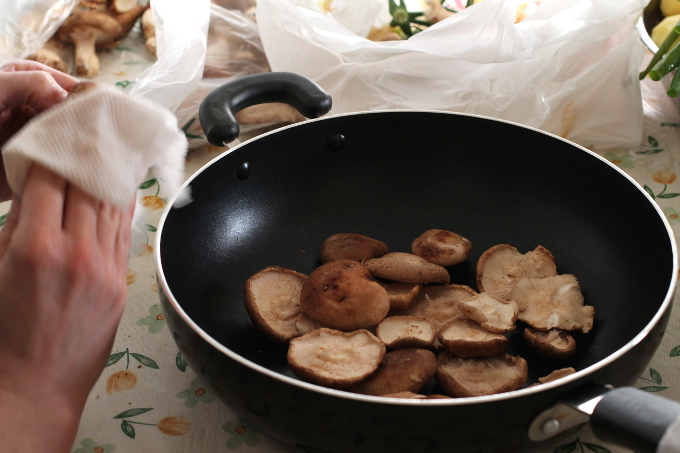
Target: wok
{"points": [[392, 175]]}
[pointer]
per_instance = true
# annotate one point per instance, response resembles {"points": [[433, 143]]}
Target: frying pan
{"points": [[392, 175]]}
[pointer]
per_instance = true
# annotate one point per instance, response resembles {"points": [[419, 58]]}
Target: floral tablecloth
{"points": [[148, 400]]}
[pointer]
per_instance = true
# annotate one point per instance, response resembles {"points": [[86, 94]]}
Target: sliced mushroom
{"points": [[552, 303], [403, 370], [407, 268], [442, 247], [557, 374], [272, 299], [402, 295], [439, 304], [492, 313], [335, 359], [416, 396], [466, 338], [499, 268], [351, 246], [553, 344], [343, 295], [304, 324], [463, 377], [406, 332]]}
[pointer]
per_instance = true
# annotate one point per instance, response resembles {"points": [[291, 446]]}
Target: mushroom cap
{"points": [[343, 295], [442, 247], [552, 302], [557, 374], [104, 25], [466, 338], [551, 344], [272, 299], [351, 246], [407, 268], [499, 268], [402, 295], [304, 324], [492, 313], [403, 370], [406, 332], [465, 377], [335, 359], [439, 304]]}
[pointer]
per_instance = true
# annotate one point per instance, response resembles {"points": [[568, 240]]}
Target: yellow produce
{"points": [[664, 27], [670, 7]]}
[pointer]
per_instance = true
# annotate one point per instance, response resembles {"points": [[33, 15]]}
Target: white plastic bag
{"points": [[570, 68], [25, 25]]}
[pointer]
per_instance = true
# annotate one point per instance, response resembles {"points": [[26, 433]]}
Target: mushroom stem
{"points": [[87, 62]]}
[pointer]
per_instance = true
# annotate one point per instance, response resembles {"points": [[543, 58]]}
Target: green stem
{"points": [[665, 186], [421, 22], [580, 445], [674, 88], [666, 64], [159, 187], [469, 3], [127, 356], [140, 423], [645, 379], [663, 49]]}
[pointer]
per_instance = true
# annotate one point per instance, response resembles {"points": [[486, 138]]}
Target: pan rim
{"points": [[665, 306]]}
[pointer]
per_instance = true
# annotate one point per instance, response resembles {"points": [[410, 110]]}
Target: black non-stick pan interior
{"points": [[394, 175]]}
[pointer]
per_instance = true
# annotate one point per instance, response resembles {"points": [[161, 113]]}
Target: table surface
{"points": [[148, 400]]}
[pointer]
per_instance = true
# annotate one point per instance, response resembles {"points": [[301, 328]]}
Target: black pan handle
{"points": [[633, 418], [217, 110]]}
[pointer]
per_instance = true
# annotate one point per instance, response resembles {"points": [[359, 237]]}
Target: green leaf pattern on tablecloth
{"points": [[241, 433], [198, 393], [88, 445], [155, 321]]}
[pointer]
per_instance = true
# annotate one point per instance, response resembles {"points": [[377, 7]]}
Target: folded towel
{"points": [[103, 142]]}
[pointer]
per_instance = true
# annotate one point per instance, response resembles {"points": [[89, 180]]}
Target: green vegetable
{"points": [[668, 63], [663, 49], [674, 89]]}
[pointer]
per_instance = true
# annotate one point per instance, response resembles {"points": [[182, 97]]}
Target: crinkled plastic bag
{"points": [[233, 50], [571, 68]]}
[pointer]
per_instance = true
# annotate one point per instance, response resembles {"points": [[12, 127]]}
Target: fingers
{"points": [[43, 201], [36, 89], [64, 80], [81, 213]]}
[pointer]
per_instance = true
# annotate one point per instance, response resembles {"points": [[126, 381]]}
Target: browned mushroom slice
{"points": [[351, 246], [335, 359], [466, 338], [401, 295], [272, 299], [461, 377], [553, 344], [416, 396], [492, 313], [406, 332], [499, 268], [304, 324], [343, 295], [552, 303], [403, 370], [557, 374], [407, 268], [439, 304], [442, 247]]}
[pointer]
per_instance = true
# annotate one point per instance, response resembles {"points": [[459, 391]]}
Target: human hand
{"points": [[26, 88], [63, 268]]}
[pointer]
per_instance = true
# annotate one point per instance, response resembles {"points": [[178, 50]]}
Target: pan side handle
{"points": [[638, 420], [626, 416], [216, 112]]}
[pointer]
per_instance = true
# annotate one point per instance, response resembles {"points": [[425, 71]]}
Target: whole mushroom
{"points": [[343, 295]]}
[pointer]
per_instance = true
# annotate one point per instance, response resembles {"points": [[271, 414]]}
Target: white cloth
{"points": [[103, 142]]}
